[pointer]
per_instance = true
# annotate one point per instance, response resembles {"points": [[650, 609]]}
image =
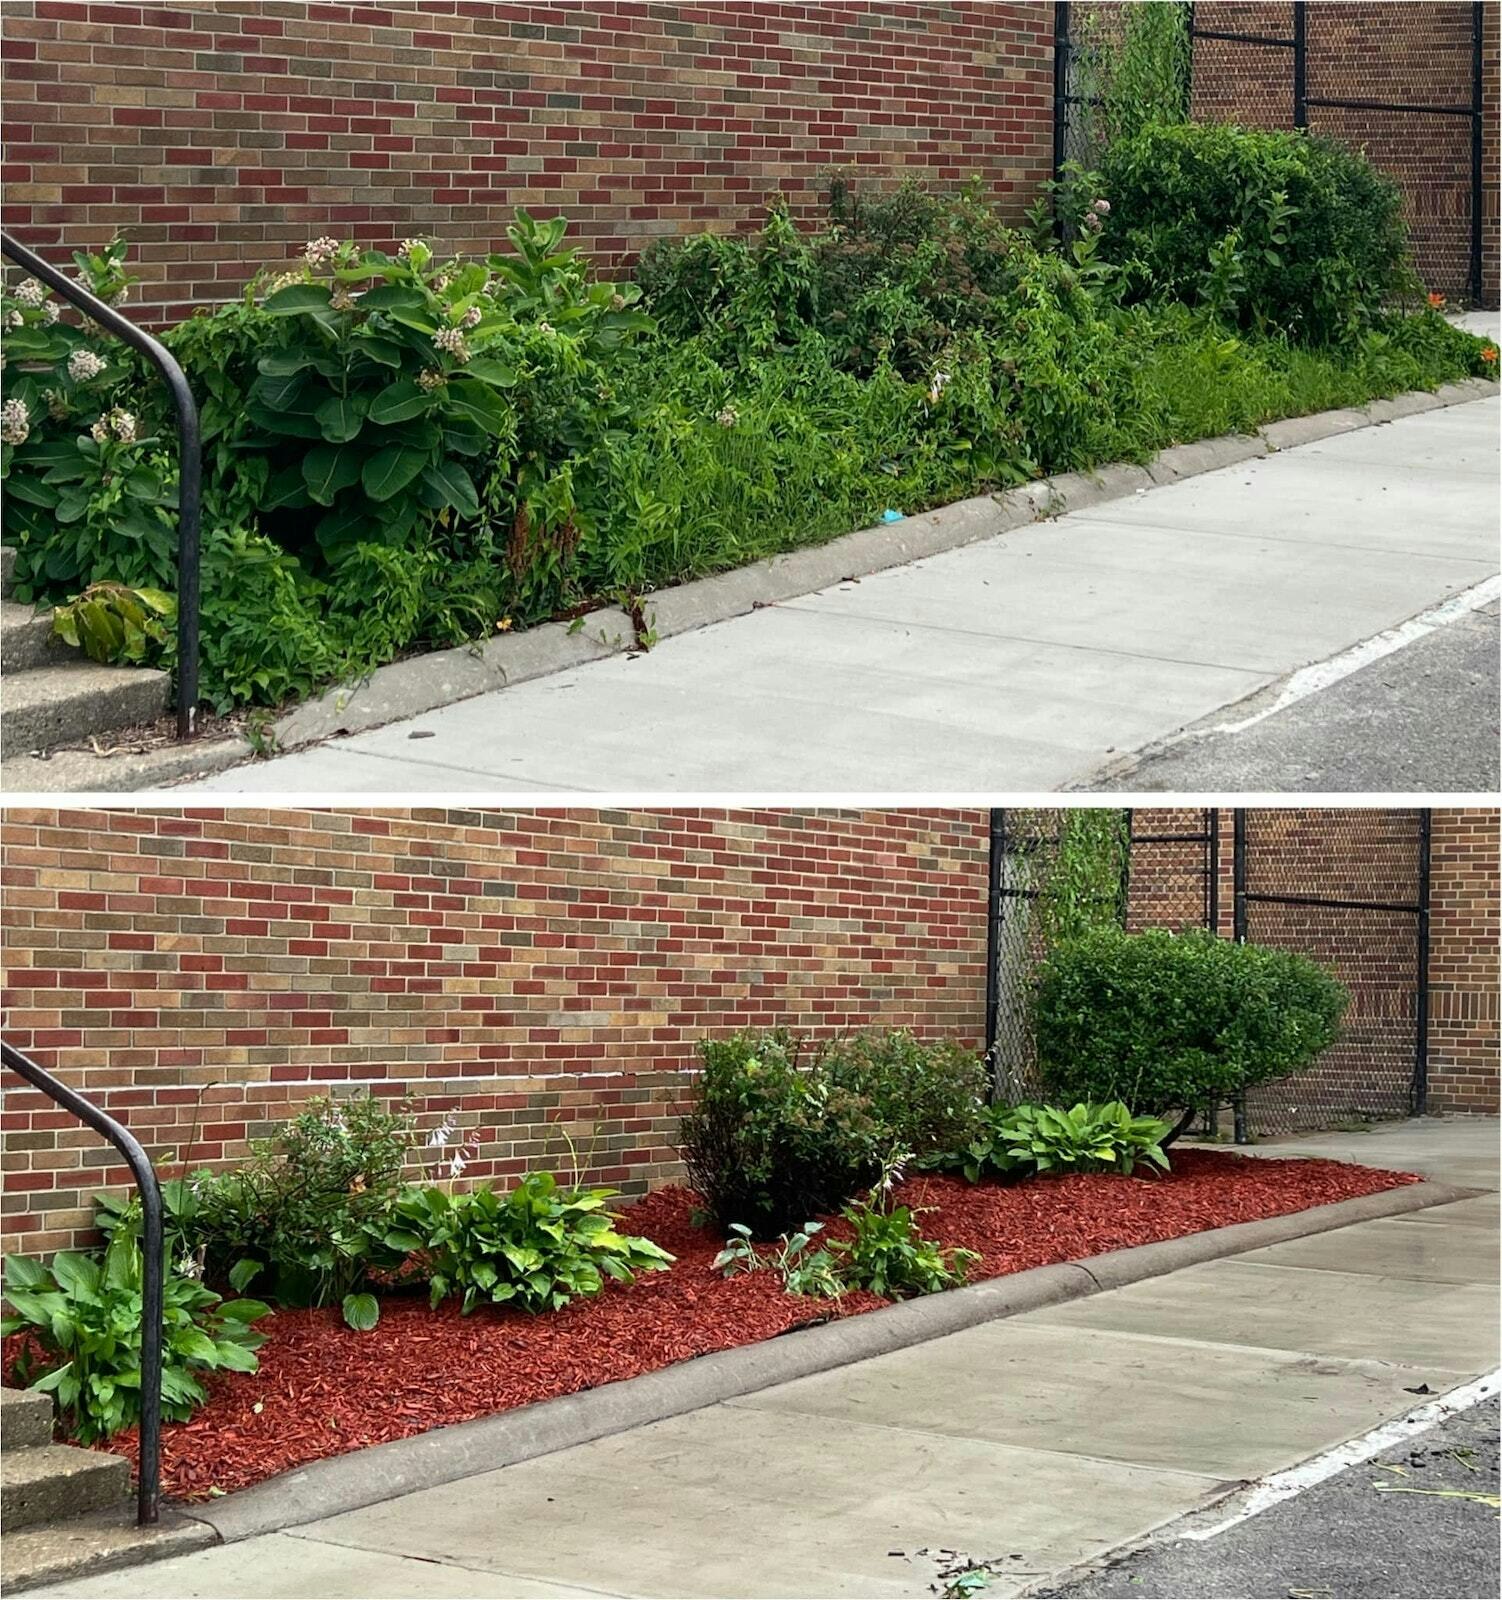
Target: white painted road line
{"points": [[1280, 1486], [1322, 674]]}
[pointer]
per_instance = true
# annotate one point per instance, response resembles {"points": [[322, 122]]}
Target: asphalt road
{"points": [[1423, 718], [1349, 1538]]}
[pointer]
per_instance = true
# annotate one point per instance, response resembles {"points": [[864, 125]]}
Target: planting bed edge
{"points": [[366, 1477]]}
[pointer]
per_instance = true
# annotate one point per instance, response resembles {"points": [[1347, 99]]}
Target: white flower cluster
{"points": [[15, 422], [1098, 209], [283, 280], [320, 252], [341, 299], [51, 311], [30, 292], [83, 365], [12, 319], [430, 379], [728, 417], [451, 340], [412, 247], [117, 424], [941, 382], [471, 317]]}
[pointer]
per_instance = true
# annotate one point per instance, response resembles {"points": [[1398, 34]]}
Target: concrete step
{"points": [[51, 705], [7, 567], [25, 1418], [26, 638], [99, 1542], [50, 1482]]}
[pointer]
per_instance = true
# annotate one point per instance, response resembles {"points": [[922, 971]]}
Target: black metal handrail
{"points": [[189, 465], [149, 1475]]}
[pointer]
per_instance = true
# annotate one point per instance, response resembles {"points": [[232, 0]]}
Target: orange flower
{"points": [[1436, 300], [1489, 355]]}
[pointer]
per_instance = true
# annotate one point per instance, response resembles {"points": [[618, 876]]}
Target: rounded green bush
{"points": [[1317, 244], [1166, 1022]]}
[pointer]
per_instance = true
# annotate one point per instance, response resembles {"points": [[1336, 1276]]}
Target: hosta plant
{"points": [[537, 1247], [82, 1316]]}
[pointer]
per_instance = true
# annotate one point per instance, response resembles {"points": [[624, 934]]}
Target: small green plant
{"points": [[1084, 1138], [803, 1269], [537, 1247], [82, 1318], [887, 1253], [1167, 1022]]}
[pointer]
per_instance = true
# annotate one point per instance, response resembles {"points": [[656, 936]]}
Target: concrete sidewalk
{"points": [[1029, 661], [1035, 1443]]}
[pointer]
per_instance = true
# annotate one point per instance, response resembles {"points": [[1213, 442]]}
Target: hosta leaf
{"points": [[236, 1357], [389, 471], [21, 1272], [241, 1273], [361, 1311], [76, 1273]]}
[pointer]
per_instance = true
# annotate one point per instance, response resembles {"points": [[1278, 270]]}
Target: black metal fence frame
{"points": [[1418, 908], [189, 469], [1298, 44]]}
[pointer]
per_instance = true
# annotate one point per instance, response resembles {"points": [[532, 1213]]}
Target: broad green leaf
{"points": [[401, 400], [463, 397], [76, 1273], [381, 350], [499, 374], [361, 1311], [279, 392], [295, 299], [283, 363], [388, 472], [341, 417], [328, 469], [242, 1272], [21, 1272], [236, 1357], [345, 525], [393, 297], [455, 485], [244, 1310]]}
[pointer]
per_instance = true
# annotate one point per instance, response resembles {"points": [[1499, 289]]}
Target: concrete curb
{"points": [[366, 1477], [82, 772], [423, 683]]}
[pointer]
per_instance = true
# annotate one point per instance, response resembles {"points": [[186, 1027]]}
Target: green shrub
{"points": [[305, 1218], [1270, 230], [1165, 1022], [84, 1316], [926, 1094], [770, 1140], [537, 1247], [777, 1133]]}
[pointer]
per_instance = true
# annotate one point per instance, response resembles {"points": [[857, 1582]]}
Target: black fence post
{"points": [[1212, 870], [1060, 86], [1300, 66], [1124, 886], [1238, 932], [1421, 1006], [997, 846]]}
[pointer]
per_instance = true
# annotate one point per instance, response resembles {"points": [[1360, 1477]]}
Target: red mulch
{"points": [[324, 1389]]}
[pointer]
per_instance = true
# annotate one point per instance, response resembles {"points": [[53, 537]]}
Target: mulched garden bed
{"points": [[324, 1389]]}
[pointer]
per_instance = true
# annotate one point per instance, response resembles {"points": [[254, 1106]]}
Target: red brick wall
{"points": [[1419, 53], [224, 136], [201, 973], [520, 967], [1465, 938]]}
